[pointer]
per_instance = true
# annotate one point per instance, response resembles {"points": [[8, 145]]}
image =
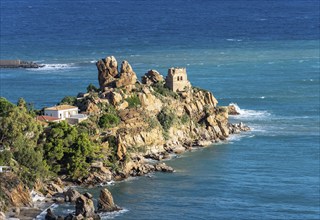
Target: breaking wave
{"points": [[53, 67], [246, 114]]}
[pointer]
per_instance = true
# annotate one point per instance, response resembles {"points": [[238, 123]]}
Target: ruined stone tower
{"points": [[177, 79]]}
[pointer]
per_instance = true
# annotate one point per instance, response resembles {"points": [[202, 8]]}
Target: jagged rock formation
{"points": [[109, 77], [107, 71], [105, 202]]}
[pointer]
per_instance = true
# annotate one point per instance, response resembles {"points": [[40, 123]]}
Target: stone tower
{"points": [[177, 79]]}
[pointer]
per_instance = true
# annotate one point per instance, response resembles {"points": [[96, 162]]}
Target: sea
{"points": [[261, 55]]}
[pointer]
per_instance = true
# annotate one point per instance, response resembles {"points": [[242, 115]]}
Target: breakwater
{"points": [[18, 64]]}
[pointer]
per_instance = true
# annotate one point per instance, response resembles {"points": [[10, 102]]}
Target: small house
{"points": [[61, 111]]}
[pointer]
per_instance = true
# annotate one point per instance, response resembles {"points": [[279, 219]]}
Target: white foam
{"points": [[36, 196], [44, 212], [234, 40], [112, 215], [54, 67], [245, 114]]}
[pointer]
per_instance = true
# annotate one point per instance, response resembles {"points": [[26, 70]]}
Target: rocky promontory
{"points": [[131, 127], [153, 121]]}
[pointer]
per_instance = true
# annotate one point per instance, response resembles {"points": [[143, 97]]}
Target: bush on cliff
{"points": [[166, 118], [133, 101], [109, 120], [68, 100], [164, 91]]}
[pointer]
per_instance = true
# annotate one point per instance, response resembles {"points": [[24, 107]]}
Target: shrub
{"points": [[108, 120], [185, 119], [69, 100], [133, 101], [161, 89], [92, 88], [166, 118]]}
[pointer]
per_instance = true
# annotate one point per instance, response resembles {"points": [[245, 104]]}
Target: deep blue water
{"points": [[262, 55]]}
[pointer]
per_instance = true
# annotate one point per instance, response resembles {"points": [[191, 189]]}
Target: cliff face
{"points": [[14, 192]]}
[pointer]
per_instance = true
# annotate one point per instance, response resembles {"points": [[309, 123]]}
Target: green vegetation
{"points": [[92, 88], [68, 100], [19, 134], [67, 151], [185, 118], [108, 120], [133, 101], [164, 91], [166, 118]]}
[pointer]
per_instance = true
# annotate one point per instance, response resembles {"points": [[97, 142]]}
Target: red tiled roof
{"points": [[47, 118]]}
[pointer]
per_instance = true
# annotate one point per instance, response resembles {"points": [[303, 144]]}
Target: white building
{"points": [[61, 111]]}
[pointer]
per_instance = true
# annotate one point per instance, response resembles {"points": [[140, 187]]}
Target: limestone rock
{"points": [[152, 77], [71, 195], [105, 202]]}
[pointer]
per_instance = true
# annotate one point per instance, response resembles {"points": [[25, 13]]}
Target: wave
{"points": [[246, 114], [44, 212], [112, 215], [234, 40], [54, 67]]}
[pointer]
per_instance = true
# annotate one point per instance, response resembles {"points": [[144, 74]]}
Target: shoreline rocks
{"points": [[19, 64]]}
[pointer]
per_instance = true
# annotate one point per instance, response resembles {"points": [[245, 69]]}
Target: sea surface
{"points": [[261, 55]]}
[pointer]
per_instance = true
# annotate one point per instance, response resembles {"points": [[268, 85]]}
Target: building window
{"points": [[181, 78], [60, 115], [178, 78]]}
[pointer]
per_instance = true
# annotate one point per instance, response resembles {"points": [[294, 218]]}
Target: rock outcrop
{"points": [[152, 77], [127, 76], [85, 207], [71, 195], [105, 202]]}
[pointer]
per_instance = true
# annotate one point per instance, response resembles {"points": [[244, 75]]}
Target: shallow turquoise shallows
{"points": [[261, 55]]}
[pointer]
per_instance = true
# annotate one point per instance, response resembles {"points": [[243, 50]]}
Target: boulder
{"points": [[152, 77], [105, 202], [85, 207], [115, 98], [71, 195], [163, 168]]}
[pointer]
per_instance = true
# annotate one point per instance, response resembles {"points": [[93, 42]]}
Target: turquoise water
{"points": [[262, 55]]}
